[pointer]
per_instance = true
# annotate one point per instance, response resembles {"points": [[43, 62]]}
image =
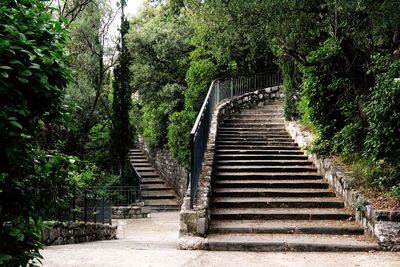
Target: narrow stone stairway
{"points": [[269, 197], [155, 191]]}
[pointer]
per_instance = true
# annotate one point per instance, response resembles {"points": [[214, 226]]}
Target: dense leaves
{"points": [[33, 73], [121, 131]]}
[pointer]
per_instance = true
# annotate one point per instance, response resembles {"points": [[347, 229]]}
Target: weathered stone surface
{"points": [[383, 225], [196, 222], [388, 234], [192, 243], [168, 168], [132, 211], [60, 233]]}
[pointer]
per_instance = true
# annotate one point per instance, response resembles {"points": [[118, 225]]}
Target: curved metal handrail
{"points": [[218, 91]]}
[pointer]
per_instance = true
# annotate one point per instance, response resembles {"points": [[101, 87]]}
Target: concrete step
{"points": [[135, 161], [142, 169], [136, 154], [287, 227], [254, 162], [230, 156], [276, 202], [259, 125], [260, 131], [258, 147], [148, 174], [141, 164], [237, 120], [148, 181], [270, 151], [257, 143], [158, 205], [134, 158], [280, 214], [265, 110], [265, 169], [271, 192], [274, 115], [253, 135], [294, 242], [298, 183], [158, 194], [156, 187], [266, 176]]}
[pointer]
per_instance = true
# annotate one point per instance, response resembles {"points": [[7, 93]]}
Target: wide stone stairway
{"points": [[269, 197], [155, 191]]}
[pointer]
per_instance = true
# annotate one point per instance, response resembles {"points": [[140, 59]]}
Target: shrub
{"points": [[179, 136]]}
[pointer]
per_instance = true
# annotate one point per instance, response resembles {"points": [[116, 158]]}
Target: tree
{"points": [[33, 73], [159, 42], [121, 135], [92, 55]]}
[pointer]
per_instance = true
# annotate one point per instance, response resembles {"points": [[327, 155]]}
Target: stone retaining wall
{"points": [[128, 212], [61, 233], [168, 168], [194, 223], [382, 225]]}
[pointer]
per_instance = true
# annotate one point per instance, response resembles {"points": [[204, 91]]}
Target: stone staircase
{"points": [[269, 197], [155, 191]]}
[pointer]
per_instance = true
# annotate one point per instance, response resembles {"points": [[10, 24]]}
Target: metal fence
{"points": [[92, 204], [95, 203], [218, 91]]}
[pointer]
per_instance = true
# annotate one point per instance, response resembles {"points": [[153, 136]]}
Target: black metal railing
{"points": [[218, 91], [95, 203], [91, 204]]}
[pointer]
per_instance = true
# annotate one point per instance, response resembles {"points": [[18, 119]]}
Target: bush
{"points": [[383, 110], [198, 78], [179, 129], [33, 74]]}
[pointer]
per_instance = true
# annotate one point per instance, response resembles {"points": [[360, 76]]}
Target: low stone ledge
{"points": [[194, 223], [132, 211], [61, 233], [382, 225], [192, 243]]}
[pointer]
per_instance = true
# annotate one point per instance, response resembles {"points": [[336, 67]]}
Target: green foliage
{"points": [[179, 129], [97, 149], [383, 110], [121, 136], [291, 88], [159, 42], [199, 77], [33, 73]]}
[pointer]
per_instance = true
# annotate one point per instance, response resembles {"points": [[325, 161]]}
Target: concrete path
{"points": [[152, 242]]}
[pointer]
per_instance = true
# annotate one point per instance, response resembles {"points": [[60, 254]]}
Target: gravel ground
{"points": [[152, 242]]}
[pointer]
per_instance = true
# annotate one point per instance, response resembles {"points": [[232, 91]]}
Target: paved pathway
{"points": [[152, 241]]}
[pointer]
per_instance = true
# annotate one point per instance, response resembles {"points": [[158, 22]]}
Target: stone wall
{"points": [[194, 223], [168, 168], [128, 212], [61, 233], [382, 225]]}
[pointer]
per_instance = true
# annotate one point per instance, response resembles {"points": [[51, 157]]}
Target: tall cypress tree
{"points": [[121, 134]]}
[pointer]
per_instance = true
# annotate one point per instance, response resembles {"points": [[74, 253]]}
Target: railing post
{"points": [[74, 204], [217, 90], [231, 87], [95, 207], [103, 208], [85, 206], [191, 143]]}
